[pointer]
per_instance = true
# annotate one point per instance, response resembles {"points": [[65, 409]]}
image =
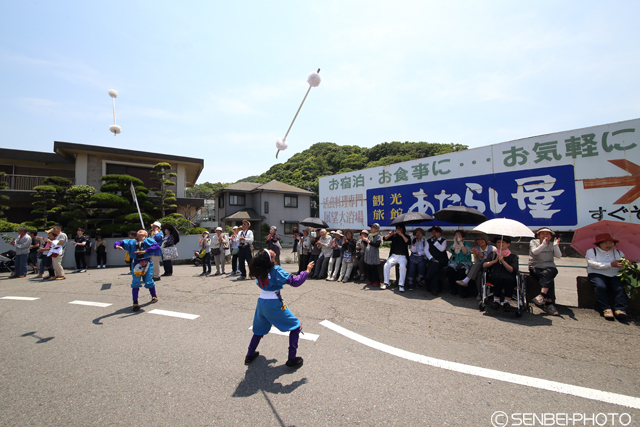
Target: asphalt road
{"points": [[68, 364]]}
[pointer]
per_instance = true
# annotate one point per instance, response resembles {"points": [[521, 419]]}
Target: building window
{"points": [[142, 173], [290, 201], [288, 227], [266, 207], [221, 201], [236, 199]]}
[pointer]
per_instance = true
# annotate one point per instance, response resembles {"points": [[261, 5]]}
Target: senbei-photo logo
{"points": [[502, 419]]}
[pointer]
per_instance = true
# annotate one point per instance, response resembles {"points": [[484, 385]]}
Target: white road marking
{"points": [[175, 314], [21, 298], [94, 304], [303, 335], [587, 393]]}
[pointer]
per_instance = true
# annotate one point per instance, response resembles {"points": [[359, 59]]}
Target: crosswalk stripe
{"points": [[175, 314], [91, 303], [21, 298]]}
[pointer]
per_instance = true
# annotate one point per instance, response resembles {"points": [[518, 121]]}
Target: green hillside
{"points": [[328, 158]]}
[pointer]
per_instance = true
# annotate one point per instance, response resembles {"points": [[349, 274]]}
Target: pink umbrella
{"points": [[628, 235]]}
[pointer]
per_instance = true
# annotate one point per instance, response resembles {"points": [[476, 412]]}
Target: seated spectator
{"points": [[459, 263], [348, 256], [436, 253], [502, 270], [336, 256], [417, 261], [481, 251], [603, 263], [542, 267], [398, 254]]}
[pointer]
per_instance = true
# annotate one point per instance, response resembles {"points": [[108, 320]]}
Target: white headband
{"points": [[268, 253]]}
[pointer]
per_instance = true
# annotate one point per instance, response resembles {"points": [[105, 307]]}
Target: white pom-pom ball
{"points": [[314, 79], [115, 129], [114, 94], [281, 144]]}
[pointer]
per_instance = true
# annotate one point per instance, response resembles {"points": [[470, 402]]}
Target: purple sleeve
{"points": [[298, 280], [118, 243]]}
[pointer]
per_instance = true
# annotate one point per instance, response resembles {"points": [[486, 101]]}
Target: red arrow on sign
{"points": [[622, 181]]}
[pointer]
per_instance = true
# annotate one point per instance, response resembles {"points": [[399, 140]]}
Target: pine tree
{"points": [[162, 173]]}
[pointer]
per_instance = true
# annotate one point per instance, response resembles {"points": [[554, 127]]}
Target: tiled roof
{"points": [[242, 186], [273, 185], [248, 214]]}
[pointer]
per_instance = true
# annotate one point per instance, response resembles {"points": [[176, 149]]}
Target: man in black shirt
{"points": [[79, 242], [399, 254]]}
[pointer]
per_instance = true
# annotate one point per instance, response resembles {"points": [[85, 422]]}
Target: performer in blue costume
{"points": [[140, 250], [271, 310]]}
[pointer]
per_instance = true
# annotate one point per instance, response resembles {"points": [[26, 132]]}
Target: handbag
{"points": [[169, 253], [215, 251], [234, 251], [202, 253]]}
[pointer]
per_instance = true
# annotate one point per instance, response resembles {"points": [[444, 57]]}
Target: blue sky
{"points": [[222, 80]]}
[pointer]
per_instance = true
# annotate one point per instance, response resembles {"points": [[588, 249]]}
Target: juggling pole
{"points": [[314, 80], [114, 127]]}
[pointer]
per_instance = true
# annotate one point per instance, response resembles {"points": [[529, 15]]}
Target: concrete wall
{"points": [[186, 247]]}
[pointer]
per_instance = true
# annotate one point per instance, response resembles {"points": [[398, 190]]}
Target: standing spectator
{"points": [[324, 243], [459, 263], [218, 243], [101, 252], [59, 240], [314, 253], [244, 249], [87, 250], [168, 241], [502, 269], [372, 255], [361, 245], [336, 256], [305, 249], [33, 251], [46, 260], [79, 242], [603, 264], [296, 247], [542, 267], [417, 261], [156, 254], [437, 256], [348, 257], [481, 251], [398, 254], [273, 243], [22, 245], [205, 245], [234, 250]]}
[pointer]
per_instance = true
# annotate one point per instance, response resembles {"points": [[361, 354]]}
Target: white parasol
{"points": [[114, 128], [314, 81], [505, 227]]}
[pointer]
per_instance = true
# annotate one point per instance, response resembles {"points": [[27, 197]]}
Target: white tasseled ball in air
{"points": [[314, 79], [115, 129], [281, 144], [114, 94]]}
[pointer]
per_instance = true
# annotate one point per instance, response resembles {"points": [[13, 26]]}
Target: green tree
{"points": [[205, 190], [79, 206], [3, 186], [49, 198], [162, 173]]}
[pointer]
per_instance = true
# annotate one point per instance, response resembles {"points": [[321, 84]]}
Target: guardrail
{"points": [[24, 182]]}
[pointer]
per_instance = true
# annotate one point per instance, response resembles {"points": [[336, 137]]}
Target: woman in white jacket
{"points": [[603, 263]]}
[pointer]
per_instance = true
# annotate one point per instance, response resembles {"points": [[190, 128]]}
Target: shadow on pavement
{"points": [[40, 339], [126, 312], [261, 375]]}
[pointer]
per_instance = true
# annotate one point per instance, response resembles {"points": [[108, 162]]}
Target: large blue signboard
{"points": [[544, 196]]}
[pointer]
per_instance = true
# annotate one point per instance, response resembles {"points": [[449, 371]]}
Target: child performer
{"points": [[270, 309], [140, 249]]}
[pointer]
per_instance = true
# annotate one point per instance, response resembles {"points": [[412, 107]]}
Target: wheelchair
{"points": [[520, 294]]}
